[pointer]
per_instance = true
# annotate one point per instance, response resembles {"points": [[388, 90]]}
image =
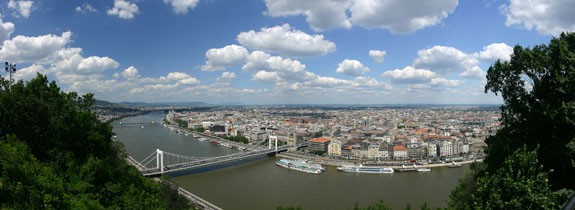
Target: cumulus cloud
{"points": [[182, 6], [123, 9], [351, 67], [85, 8], [442, 82], [410, 75], [130, 73], [401, 17], [95, 64], [496, 51], [320, 14], [266, 76], [547, 17], [474, 72], [259, 60], [40, 49], [22, 7], [286, 41], [226, 76], [6, 29], [377, 55], [444, 60], [219, 58]]}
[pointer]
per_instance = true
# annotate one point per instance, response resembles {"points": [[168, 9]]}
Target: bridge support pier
{"points": [[160, 160]]}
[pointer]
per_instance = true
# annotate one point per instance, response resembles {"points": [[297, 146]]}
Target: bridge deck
{"points": [[209, 162]]}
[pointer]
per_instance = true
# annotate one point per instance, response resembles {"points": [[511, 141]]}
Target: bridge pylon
{"points": [[275, 139], [160, 160]]}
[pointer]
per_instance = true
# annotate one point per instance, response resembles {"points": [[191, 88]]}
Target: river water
{"points": [[262, 185]]}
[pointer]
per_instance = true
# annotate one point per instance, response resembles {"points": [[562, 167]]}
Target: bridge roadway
{"points": [[209, 161]]}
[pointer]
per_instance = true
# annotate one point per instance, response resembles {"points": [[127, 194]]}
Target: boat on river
{"points": [[301, 165], [366, 169], [454, 165]]}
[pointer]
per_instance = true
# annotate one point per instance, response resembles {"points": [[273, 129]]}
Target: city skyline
{"points": [[274, 51]]}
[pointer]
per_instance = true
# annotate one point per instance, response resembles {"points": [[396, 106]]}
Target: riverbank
{"points": [[337, 163]]}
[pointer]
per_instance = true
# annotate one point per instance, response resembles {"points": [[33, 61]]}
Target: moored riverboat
{"points": [[300, 165], [366, 169]]}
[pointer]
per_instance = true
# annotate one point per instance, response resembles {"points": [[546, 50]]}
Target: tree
{"points": [[520, 183], [538, 90], [55, 154]]}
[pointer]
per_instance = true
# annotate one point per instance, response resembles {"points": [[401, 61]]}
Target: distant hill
{"points": [[103, 103], [193, 103]]}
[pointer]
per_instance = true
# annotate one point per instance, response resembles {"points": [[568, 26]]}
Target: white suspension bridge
{"points": [[160, 162]]}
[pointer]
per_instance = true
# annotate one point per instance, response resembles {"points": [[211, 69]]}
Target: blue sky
{"points": [[274, 51]]}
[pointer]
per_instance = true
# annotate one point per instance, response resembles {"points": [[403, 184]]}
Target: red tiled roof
{"points": [[320, 140]]}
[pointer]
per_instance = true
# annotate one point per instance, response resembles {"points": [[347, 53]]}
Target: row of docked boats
{"points": [[305, 166]]}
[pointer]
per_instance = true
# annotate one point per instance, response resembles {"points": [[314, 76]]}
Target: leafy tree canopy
{"points": [[57, 155]]}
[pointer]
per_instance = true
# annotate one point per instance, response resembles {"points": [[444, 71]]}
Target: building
{"points": [[432, 150], [318, 144], [373, 151], [334, 148], [384, 151], [445, 149], [399, 152]]}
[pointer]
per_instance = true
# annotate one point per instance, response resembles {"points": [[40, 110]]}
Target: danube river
{"points": [[262, 185]]}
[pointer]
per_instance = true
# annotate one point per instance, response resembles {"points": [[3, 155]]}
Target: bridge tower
{"points": [[160, 160], [275, 139]]}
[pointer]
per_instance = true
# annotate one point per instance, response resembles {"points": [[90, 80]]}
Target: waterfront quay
{"points": [[431, 136]]}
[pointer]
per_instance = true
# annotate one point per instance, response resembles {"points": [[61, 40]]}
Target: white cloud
{"points": [[320, 14], [96, 64], [6, 29], [410, 75], [442, 82], [219, 58], [444, 60], [547, 16], [123, 9], [266, 76], [377, 55], [40, 49], [286, 41], [22, 7], [351, 67], [29, 72], [182, 6], [401, 17], [130, 73], [474, 72], [85, 8], [496, 51], [259, 60], [226, 76]]}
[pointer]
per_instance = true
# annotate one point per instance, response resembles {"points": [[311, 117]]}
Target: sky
{"points": [[275, 51]]}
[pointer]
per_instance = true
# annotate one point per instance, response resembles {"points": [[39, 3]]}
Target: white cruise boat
{"points": [[366, 169], [301, 165]]}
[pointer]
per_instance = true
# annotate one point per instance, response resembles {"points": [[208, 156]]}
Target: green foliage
{"points": [[242, 139], [521, 183], [182, 123], [317, 152], [461, 196], [289, 208], [530, 161], [57, 155], [538, 89], [199, 129]]}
